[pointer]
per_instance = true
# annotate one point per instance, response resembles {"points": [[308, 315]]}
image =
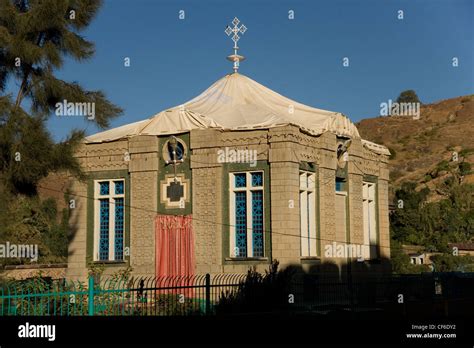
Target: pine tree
{"points": [[35, 37]]}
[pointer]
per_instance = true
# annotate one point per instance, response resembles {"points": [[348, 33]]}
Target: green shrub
{"points": [[450, 263], [393, 153], [63, 298], [465, 152], [442, 166], [464, 168], [401, 261]]}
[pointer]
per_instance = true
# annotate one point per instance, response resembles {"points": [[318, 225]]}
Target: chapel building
{"points": [[236, 177]]}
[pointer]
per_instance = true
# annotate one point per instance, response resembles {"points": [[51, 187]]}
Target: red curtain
{"points": [[174, 245]]}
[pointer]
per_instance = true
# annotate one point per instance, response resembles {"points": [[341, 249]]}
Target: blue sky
{"points": [[173, 60]]}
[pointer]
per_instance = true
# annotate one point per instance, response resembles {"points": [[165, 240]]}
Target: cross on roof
{"points": [[234, 31]]}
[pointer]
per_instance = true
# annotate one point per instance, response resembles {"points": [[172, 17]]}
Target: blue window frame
{"points": [[247, 214], [110, 219], [118, 187], [119, 228], [241, 223], [257, 223], [104, 188], [257, 179], [240, 180], [104, 230]]}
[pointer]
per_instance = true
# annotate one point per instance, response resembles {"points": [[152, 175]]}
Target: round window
{"points": [[174, 149]]}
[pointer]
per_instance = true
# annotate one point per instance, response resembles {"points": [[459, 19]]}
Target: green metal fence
{"points": [[42, 297], [184, 295], [206, 294]]}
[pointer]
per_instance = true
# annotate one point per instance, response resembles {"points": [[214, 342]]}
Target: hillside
{"points": [[425, 150]]}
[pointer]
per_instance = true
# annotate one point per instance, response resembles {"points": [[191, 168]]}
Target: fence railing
{"points": [[453, 290], [180, 295], [207, 294]]}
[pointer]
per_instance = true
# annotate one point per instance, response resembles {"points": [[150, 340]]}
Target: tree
{"points": [[35, 37], [433, 224], [452, 263], [408, 96], [401, 261]]}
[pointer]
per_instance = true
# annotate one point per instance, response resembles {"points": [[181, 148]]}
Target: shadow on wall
{"points": [[355, 290], [73, 230], [381, 267]]}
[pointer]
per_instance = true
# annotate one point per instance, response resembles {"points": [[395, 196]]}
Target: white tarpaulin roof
{"points": [[235, 102]]}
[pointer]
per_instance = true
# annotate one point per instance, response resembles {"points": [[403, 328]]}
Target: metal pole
{"points": [[91, 295], [208, 294], [351, 285]]}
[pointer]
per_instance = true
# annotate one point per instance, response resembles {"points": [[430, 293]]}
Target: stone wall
{"points": [[207, 223], [327, 201], [284, 149], [77, 237], [22, 272], [94, 158], [144, 199]]}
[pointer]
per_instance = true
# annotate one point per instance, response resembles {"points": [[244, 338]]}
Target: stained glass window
{"points": [[104, 188], [240, 180], [118, 187], [257, 223], [257, 179], [241, 223], [248, 214], [104, 230], [119, 229], [110, 232]]}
